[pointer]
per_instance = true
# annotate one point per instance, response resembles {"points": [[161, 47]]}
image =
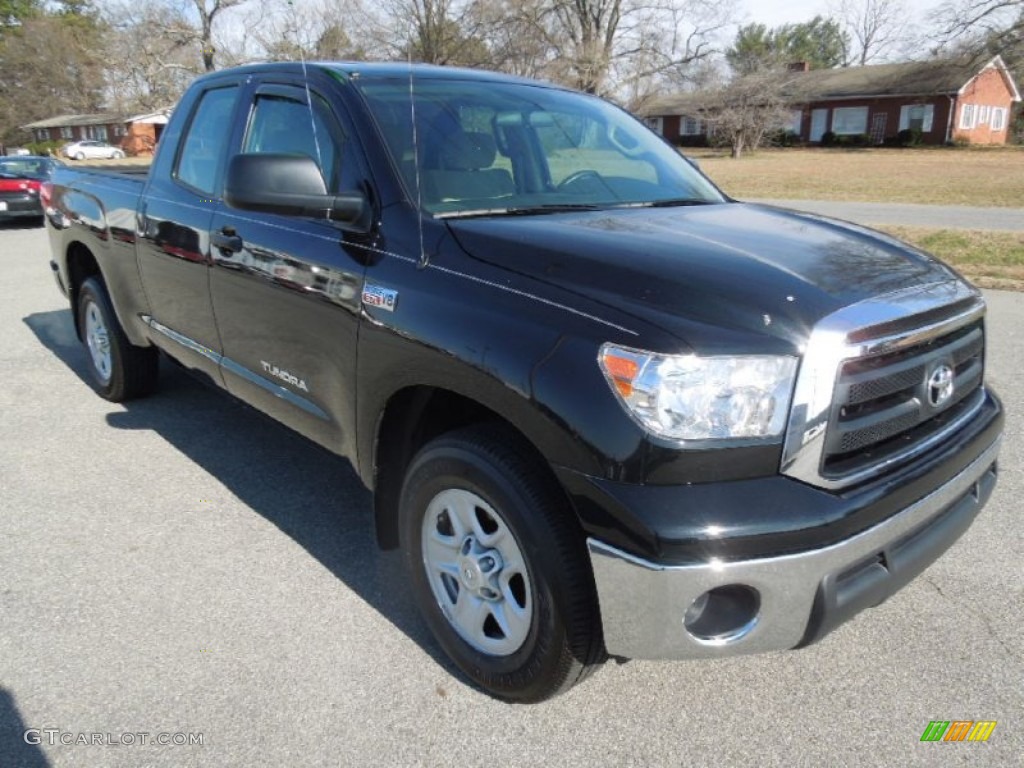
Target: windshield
{"points": [[487, 148], [25, 168]]}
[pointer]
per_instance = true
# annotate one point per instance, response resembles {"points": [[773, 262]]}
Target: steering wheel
{"points": [[578, 176]]}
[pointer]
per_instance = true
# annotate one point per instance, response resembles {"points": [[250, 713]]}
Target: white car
{"points": [[91, 150]]}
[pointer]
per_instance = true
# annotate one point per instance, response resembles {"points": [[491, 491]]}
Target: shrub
{"points": [[828, 139], [45, 147], [909, 137], [700, 140]]}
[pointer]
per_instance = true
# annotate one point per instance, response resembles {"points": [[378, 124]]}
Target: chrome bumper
{"points": [[802, 596]]}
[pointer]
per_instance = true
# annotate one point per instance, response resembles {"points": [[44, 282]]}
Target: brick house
{"points": [[946, 100], [136, 135]]}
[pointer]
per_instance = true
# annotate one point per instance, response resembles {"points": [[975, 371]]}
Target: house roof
{"points": [[66, 121], [909, 79], [915, 78]]}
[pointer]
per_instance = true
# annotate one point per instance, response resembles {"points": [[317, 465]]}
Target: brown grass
{"points": [[989, 259], [941, 175]]}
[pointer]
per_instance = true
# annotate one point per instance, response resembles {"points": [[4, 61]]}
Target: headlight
{"points": [[686, 397]]}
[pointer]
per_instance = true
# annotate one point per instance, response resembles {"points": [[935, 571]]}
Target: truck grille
{"points": [[886, 404]]}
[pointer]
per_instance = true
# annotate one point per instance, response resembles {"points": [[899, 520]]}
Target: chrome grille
{"points": [[880, 400], [869, 392]]}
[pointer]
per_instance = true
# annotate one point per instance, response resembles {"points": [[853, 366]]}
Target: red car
{"points": [[21, 178]]}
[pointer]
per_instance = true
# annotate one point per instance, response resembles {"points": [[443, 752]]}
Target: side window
{"points": [[280, 124], [206, 139]]}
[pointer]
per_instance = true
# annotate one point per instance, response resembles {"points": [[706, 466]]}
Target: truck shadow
{"points": [[17, 748], [310, 494]]}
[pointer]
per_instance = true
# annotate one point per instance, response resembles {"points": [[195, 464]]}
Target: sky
{"points": [[775, 12]]}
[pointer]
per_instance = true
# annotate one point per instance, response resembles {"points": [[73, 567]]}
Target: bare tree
{"points": [[748, 108], [876, 28], [151, 55], [284, 31], [589, 41]]}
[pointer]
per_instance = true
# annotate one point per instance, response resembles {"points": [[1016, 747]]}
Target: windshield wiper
{"points": [[678, 202], [526, 210]]}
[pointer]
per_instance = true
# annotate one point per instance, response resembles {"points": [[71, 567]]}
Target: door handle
{"points": [[226, 240]]}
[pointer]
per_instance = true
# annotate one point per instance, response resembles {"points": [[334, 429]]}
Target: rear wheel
{"points": [[79, 156], [117, 154], [120, 370], [499, 566]]}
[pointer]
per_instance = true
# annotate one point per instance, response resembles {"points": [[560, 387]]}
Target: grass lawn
{"points": [[938, 176], [989, 259]]}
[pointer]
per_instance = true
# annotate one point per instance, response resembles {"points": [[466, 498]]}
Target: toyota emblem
{"points": [[940, 386]]}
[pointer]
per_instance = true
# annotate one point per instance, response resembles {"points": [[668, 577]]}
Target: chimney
{"points": [[799, 66]]}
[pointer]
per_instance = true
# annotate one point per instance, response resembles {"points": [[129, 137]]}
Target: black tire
{"points": [[563, 643], [129, 372]]}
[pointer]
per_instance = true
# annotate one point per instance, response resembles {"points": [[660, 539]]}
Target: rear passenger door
{"points": [[286, 290], [174, 223]]}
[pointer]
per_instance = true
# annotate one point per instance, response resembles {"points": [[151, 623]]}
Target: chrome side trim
{"points": [[829, 346], [643, 603], [229, 365]]}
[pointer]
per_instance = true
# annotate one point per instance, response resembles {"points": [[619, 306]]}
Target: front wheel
{"points": [[499, 566], [79, 156], [120, 370], [117, 154]]}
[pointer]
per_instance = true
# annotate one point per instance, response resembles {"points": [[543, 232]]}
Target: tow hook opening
{"points": [[723, 615]]}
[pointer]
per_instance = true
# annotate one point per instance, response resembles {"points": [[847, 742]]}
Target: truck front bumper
{"points": [[722, 608]]}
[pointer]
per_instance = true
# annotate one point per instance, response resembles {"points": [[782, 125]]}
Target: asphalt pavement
{"points": [[911, 215], [182, 566]]}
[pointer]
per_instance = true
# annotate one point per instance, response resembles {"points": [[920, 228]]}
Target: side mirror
{"points": [[290, 185]]}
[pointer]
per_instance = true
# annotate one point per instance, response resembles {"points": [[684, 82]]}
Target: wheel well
{"points": [[412, 418], [81, 266]]}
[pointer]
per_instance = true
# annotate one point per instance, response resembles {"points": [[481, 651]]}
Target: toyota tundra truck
{"points": [[605, 410]]}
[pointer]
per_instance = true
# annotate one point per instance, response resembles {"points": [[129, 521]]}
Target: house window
{"points": [[119, 130], [689, 126], [655, 124], [66, 132], [983, 115], [998, 118], [796, 119], [99, 132], [917, 117], [968, 116], [850, 120]]}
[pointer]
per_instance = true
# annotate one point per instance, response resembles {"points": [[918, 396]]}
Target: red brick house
{"points": [[105, 126], [946, 100], [136, 135]]}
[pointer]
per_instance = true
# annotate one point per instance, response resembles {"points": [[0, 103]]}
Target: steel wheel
{"points": [[97, 338], [476, 572], [120, 370], [498, 564]]}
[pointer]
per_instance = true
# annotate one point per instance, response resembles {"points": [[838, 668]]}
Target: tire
{"points": [[528, 626], [79, 156], [120, 370], [117, 154]]}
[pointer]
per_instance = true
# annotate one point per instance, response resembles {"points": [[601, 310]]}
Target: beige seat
{"points": [[465, 171]]}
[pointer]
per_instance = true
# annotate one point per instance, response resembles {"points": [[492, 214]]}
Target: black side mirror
{"points": [[290, 185]]}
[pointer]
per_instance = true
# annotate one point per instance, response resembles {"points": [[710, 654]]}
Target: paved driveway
{"points": [[909, 215], [181, 565]]}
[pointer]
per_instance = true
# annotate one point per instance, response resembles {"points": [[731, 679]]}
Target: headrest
{"points": [[468, 151]]}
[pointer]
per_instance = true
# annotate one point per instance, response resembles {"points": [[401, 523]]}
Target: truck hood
{"points": [[700, 271]]}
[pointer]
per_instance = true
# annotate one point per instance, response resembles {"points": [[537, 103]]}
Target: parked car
{"points": [[92, 150], [20, 180], [17, 151]]}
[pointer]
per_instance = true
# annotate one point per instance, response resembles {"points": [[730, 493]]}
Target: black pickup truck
{"points": [[604, 409]]}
